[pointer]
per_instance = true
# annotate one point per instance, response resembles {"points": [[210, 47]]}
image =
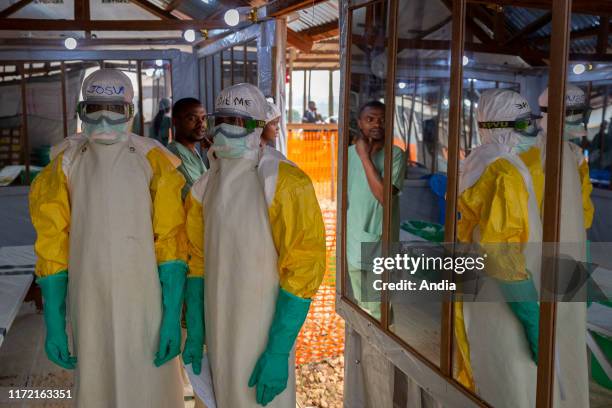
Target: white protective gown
{"points": [[242, 280], [502, 367], [572, 365], [114, 294]]}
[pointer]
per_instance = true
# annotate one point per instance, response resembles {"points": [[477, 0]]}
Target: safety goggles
{"points": [[575, 115], [95, 112], [242, 125], [526, 125]]}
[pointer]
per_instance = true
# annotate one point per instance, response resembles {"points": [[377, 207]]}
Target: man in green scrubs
{"points": [[365, 200], [189, 120]]}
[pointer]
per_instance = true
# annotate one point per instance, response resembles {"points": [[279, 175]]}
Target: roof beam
{"points": [[87, 42], [574, 35], [323, 31], [81, 10], [530, 28], [279, 8], [434, 28], [153, 9], [14, 8], [174, 4], [603, 36], [299, 41], [578, 6], [107, 25]]}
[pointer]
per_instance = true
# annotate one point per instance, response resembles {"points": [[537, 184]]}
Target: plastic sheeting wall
{"points": [[44, 107]]}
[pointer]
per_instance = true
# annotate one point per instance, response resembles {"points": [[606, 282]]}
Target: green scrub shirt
{"points": [[364, 217], [192, 166]]}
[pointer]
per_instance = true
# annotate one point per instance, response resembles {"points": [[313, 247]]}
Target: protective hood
{"points": [[244, 101], [499, 105], [575, 99]]}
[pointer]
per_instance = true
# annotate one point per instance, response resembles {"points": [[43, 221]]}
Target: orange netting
{"points": [[322, 336]]}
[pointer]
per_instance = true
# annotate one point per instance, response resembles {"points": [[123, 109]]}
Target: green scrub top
{"points": [[164, 130], [192, 166], [364, 216]]}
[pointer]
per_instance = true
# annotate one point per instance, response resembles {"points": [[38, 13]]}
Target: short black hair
{"points": [[182, 104], [371, 104]]}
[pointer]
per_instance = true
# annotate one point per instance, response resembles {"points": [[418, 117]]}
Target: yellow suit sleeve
{"points": [[195, 235], [298, 232], [496, 207], [587, 189], [50, 213], [533, 161], [168, 212]]}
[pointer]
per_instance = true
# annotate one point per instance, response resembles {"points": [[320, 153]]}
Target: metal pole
{"points": [[411, 120], [471, 126], [434, 166], [140, 95], [64, 108], [330, 100], [304, 102], [602, 126], [560, 39], [25, 145]]}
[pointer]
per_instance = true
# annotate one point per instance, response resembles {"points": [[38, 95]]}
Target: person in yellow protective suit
{"points": [[497, 341], [575, 218], [110, 237], [257, 240]]}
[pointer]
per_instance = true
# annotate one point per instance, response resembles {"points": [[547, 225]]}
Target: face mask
{"points": [[572, 131], [229, 147], [525, 144], [104, 132]]}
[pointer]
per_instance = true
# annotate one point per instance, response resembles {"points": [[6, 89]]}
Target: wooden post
{"points": [[454, 123], [560, 39]]}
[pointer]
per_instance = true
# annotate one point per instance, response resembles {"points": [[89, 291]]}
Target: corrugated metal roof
{"points": [[316, 15], [519, 17]]}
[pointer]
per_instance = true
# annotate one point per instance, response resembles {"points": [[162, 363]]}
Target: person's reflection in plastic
{"points": [[365, 201]]}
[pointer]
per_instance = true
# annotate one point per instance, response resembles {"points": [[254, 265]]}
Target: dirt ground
{"points": [[320, 384]]}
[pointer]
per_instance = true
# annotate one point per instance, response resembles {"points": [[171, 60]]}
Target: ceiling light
{"points": [[579, 69], [70, 43], [401, 85], [189, 35], [466, 60], [159, 63], [445, 102], [231, 17]]}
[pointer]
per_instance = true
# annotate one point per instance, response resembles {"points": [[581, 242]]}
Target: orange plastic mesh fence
{"points": [[322, 335]]}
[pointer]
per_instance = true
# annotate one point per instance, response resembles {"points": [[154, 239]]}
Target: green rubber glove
{"points": [[54, 289], [271, 371], [527, 311], [194, 316], [172, 277]]}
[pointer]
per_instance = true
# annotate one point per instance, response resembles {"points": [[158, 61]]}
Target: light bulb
{"points": [[70, 43], [579, 69], [189, 35], [231, 17]]}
